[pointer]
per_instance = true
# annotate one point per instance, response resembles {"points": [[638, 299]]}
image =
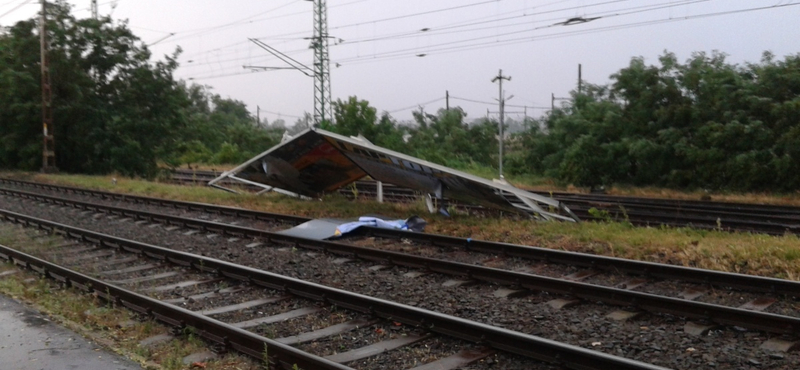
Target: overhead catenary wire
{"points": [[448, 48], [415, 105], [458, 27], [483, 20], [415, 33], [280, 114], [410, 53], [472, 39], [250, 20], [25, 2], [649, 7], [356, 24], [495, 103], [201, 31]]}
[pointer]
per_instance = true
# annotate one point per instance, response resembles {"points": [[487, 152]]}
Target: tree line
{"points": [[702, 123], [114, 110]]}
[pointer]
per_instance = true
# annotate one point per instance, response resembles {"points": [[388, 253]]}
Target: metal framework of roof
{"points": [[315, 162]]}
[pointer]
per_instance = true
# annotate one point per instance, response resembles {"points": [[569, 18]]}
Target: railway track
{"points": [[154, 281], [726, 304], [639, 211]]}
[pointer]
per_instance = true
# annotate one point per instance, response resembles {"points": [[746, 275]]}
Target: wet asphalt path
{"points": [[29, 341]]}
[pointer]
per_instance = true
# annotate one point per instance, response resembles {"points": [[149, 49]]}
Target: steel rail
{"points": [[675, 204], [707, 221], [638, 218], [769, 209], [648, 302], [212, 330], [192, 206], [506, 340], [678, 204], [692, 214], [643, 213], [603, 263]]}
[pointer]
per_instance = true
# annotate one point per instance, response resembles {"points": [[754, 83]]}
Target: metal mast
{"points": [[48, 144], [322, 70], [94, 9]]}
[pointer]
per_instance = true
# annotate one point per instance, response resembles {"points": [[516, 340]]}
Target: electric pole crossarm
{"points": [[285, 58]]}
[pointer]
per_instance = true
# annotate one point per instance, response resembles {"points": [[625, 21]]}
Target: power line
{"points": [[250, 20], [416, 14], [448, 48], [218, 61], [415, 105], [399, 17], [14, 8], [414, 33], [438, 30], [494, 103], [8, 3], [483, 20], [280, 114], [409, 53], [351, 25], [471, 39], [210, 77], [200, 31]]}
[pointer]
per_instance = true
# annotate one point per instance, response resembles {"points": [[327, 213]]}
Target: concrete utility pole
{"points": [[502, 101], [322, 68], [48, 144], [94, 9], [447, 99]]}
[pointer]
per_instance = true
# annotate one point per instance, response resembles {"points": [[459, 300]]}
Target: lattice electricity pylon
{"points": [[94, 9], [322, 68]]}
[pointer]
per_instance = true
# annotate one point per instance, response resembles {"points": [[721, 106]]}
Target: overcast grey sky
{"points": [[402, 54]]}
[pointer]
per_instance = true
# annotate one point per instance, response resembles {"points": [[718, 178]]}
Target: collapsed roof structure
{"points": [[315, 162]]}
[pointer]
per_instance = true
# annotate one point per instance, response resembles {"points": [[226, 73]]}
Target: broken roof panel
{"points": [[316, 161]]}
